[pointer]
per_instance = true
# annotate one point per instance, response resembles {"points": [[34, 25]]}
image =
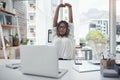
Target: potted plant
{"points": [[24, 41], [15, 40]]}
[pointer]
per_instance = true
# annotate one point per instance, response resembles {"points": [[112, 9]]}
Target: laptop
{"points": [[40, 60]]}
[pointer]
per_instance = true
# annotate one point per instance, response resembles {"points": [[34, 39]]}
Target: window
{"points": [[31, 5], [32, 41], [31, 30], [31, 17], [92, 25], [94, 11]]}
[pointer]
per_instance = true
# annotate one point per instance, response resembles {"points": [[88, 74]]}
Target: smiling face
{"points": [[62, 29]]}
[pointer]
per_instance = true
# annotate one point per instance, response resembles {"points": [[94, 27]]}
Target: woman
{"points": [[63, 36]]}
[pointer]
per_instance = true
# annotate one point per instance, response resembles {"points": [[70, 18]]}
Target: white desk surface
{"points": [[15, 74]]}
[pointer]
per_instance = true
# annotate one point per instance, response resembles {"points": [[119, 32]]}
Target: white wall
{"points": [[43, 21]]}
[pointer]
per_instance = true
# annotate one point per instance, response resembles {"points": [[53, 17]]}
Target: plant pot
{"points": [[16, 42]]}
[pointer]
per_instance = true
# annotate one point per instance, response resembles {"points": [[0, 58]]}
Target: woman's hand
{"points": [[67, 4], [61, 5]]}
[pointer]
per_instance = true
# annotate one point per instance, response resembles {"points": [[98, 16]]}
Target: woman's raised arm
{"points": [[55, 19], [70, 15]]}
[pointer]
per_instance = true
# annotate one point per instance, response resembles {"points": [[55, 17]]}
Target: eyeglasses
{"points": [[63, 27]]}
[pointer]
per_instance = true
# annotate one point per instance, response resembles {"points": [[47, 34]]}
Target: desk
{"points": [[15, 74]]}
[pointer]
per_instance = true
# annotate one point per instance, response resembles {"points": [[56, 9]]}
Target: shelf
{"points": [[10, 56], [11, 48], [4, 11], [8, 26]]}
